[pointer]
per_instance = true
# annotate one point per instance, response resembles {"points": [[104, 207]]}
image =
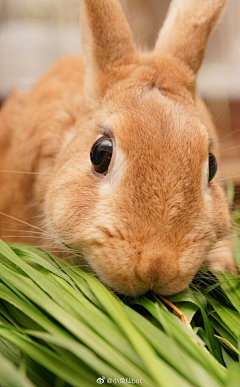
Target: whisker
{"points": [[221, 111], [20, 221], [44, 232], [233, 147], [227, 178], [27, 173], [228, 135], [15, 224], [25, 231], [18, 236]]}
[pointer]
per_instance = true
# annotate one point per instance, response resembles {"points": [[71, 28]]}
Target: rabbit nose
{"points": [[157, 269]]}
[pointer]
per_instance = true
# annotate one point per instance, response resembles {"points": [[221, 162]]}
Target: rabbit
{"points": [[120, 155]]}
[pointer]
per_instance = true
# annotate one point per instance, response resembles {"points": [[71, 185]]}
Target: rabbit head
{"points": [[133, 186]]}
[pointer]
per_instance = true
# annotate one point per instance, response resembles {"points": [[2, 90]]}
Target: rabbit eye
{"points": [[101, 154], [212, 166]]}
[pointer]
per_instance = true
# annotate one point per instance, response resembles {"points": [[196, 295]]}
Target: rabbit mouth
{"points": [[157, 286], [176, 285]]}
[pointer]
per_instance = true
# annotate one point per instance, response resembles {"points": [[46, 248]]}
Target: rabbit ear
{"points": [[106, 40], [186, 29]]}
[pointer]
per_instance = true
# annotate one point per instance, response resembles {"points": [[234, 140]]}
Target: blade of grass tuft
{"points": [[10, 375]]}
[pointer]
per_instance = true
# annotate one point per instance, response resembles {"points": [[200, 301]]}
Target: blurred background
{"points": [[34, 33]]}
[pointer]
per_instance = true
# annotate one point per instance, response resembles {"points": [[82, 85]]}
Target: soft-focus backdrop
{"points": [[34, 33]]}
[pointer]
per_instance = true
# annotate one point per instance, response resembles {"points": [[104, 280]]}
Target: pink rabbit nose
{"points": [[157, 269]]}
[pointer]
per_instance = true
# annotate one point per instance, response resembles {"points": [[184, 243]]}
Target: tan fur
{"points": [[187, 28], [152, 220]]}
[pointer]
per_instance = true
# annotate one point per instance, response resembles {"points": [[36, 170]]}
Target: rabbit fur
{"points": [[153, 219]]}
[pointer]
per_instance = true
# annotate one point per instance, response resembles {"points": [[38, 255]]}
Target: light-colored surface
{"points": [[33, 33], [28, 49]]}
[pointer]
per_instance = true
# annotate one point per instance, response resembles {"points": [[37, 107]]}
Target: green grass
{"points": [[59, 326]]}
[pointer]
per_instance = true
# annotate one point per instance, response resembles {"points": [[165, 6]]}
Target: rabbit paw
{"points": [[221, 257]]}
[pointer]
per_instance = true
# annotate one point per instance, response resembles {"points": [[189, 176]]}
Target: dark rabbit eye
{"points": [[101, 154], [212, 167]]}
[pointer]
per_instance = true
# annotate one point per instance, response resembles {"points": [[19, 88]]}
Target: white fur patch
{"points": [[115, 172], [204, 181], [118, 162]]}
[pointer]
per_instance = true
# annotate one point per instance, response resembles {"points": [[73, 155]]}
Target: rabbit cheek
{"points": [[112, 259], [221, 221], [69, 204]]}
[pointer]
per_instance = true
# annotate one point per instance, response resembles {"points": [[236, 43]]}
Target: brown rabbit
{"points": [[118, 154]]}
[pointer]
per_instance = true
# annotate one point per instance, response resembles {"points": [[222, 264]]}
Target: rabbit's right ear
{"points": [[186, 29], [106, 42]]}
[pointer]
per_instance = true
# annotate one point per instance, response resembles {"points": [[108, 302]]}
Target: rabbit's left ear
{"points": [[106, 41], [186, 30]]}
